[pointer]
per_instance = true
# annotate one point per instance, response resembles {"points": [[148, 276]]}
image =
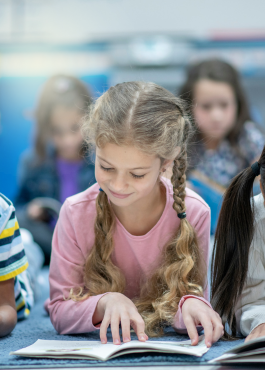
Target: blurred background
{"points": [[104, 42]]}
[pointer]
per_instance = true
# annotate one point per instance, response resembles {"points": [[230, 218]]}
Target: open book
{"points": [[95, 350], [250, 352]]}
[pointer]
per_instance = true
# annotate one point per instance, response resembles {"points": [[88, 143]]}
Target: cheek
{"points": [[100, 175], [57, 141], [202, 118], [78, 138], [145, 186], [230, 116]]}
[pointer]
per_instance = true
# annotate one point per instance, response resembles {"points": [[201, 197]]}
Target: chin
{"points": [[121, 202]]}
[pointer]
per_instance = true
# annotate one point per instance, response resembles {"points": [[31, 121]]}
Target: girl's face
{"points": [[65, 132], [215, 108], [126, 174]]}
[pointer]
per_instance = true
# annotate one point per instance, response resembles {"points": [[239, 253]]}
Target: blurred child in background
{"points": [[226, 140], [16, 295], [57, 167]]}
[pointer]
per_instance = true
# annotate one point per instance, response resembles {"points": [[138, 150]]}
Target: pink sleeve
{"points": [[203, 234], [66, 272]]}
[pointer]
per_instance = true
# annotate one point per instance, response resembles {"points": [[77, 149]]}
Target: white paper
{"points": [[97, 350]]}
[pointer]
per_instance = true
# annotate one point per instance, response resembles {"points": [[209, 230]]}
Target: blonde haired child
{"points": [[133, 248]]}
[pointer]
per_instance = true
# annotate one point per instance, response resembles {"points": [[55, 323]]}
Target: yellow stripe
{"points": [[9, 232], [26, 312], [14, 273], [21, 304]]}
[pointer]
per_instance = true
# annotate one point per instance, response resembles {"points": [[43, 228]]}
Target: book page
{"points": [[183, 347], [97, 350], [68, 349]]}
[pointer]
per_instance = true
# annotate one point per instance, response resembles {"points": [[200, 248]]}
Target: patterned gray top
{"points": [[222, 164]]}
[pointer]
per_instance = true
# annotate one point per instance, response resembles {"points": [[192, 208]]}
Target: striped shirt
{"points": [[13, 260]]}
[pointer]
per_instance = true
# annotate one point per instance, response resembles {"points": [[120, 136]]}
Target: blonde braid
{"points": [[100, 274], [179, 273]]}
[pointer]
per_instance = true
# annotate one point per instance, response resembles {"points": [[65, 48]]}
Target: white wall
{"points": [[90, 20]]}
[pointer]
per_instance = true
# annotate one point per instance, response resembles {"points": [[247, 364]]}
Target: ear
{"points": [[262, 191], [166, 164]]}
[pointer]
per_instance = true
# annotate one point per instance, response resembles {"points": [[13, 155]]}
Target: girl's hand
{"points": [[196, 312], [259, 331], [113, 309]]}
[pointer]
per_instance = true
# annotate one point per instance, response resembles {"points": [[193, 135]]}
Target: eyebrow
{"points": [[136, 168]]}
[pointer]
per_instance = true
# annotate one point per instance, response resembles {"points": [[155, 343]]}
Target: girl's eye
{"points": [[75, 128], [133, 175], [224, 105], [206, 106], [105, 169], [137, 176]]}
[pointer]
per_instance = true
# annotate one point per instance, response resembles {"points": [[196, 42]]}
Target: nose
{"points": [[118, 183], [217, 113], [67, 140]]}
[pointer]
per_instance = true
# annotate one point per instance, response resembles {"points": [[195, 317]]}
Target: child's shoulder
{"points": [[259, 208], [87, 196], [6, 211], [192, 196], [4, 202]]}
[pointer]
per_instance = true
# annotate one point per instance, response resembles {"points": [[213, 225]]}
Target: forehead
{"points": [[209, 89], [126, 156], [61, 115]]}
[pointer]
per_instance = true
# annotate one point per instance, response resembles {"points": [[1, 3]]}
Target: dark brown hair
{"points": [[219, 71], [59, 90], [234, 234]]}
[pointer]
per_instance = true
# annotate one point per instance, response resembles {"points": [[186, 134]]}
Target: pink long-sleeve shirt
{"points": [[136, 256]]}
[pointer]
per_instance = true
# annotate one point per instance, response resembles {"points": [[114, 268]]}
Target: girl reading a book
{"points": [[238, 279], [133, 248]]}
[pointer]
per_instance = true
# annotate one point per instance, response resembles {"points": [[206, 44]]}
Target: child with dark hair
{"points": [[57, 167], [238, 268], [225, 140]]}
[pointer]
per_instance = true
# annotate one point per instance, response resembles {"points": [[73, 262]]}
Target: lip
{"points": [[120, 196]]}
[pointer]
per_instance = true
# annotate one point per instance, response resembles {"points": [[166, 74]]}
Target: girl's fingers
{"points": [[208, 330], [192, 330], [125, 325], [218, 329], [115, 328], [139, 328], [103, 329], [135, 330]]}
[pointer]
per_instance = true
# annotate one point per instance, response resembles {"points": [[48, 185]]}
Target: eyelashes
{"points": [[105, 169], [137, 177], [133, 175]]}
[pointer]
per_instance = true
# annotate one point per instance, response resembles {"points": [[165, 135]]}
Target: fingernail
{"points": [[192, 341], [126, 339], [103, 341], [142, 337], [116, 341], [209, 344]]}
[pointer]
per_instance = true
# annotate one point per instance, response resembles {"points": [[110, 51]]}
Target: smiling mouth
{"points": [[121, 196]]}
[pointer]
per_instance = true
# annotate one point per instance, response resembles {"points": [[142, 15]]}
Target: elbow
{"points": [[58, 319], [8, 320]]}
